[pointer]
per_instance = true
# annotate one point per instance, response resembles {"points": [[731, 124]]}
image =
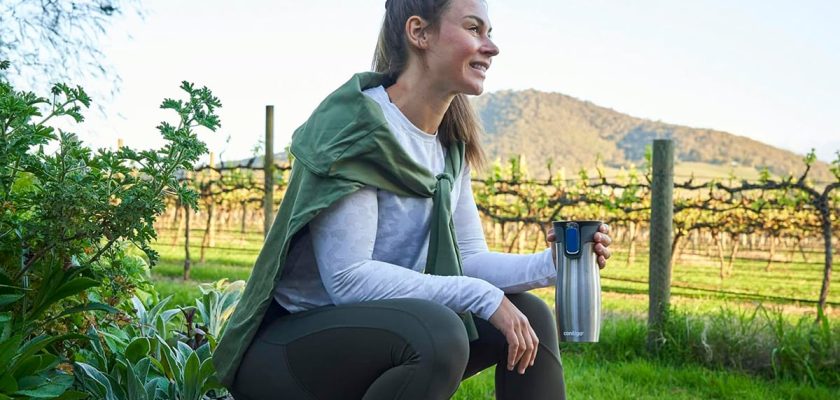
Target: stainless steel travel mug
{"points": [[578, 294]]}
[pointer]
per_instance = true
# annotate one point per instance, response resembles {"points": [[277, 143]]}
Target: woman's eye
{"points": [[474, 29]]}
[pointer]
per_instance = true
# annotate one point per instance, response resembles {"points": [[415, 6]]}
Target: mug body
{"points": [[578, 288]]}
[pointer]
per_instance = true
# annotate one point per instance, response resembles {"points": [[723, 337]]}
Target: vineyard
{"points": [[772, 219], [121, 268]]}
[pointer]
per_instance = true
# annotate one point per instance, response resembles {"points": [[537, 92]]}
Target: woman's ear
{"points": [[416, 32]]}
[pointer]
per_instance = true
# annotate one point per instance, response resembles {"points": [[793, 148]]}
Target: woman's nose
{"points": [[490, 48]]}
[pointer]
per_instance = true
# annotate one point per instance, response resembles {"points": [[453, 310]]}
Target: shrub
{"points": [[67, 216]]}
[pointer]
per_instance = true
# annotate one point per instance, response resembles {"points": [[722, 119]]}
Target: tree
{"points": [[50, 41]]}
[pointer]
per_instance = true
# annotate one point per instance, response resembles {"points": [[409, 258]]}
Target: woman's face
{"points": [[460, 52]]}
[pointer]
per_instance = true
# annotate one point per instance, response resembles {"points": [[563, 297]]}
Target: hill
{"points": [[574, 133]]}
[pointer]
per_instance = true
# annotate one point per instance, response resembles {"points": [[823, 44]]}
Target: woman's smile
{"points": [[481, 67]]}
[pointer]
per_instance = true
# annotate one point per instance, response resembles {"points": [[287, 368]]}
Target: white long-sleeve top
{"points": [[372, 244]]}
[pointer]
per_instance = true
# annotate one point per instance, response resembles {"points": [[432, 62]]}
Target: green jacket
{"points": [[345, 145]]}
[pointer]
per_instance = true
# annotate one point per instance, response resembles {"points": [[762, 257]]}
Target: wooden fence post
{"points": [[210, 226], [661, 227], [268, 165], [211, 242], [631, 241], [187, 213]]}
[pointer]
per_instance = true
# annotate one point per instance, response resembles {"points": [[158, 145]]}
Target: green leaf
{"points": [[73, 395], [8, 349], [63, 291], [8, 383], [151, 388], [95, 381], [192, 379], [74, 287], [34, 365], [45, 388], [117, 343], [134, 385], [207, 375], [39, 343], [6, 299], [168, 364], [93, 306], [137, 349]]}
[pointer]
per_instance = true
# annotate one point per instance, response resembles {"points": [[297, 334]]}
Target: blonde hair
{"points": [[460, 122]]}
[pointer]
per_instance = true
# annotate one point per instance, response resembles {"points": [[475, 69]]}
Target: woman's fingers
{"points": [[536, 342], [602, 238], [521, 339], [514, 346], [602, 250], [521, 346], [529, 347], [604, 228]]}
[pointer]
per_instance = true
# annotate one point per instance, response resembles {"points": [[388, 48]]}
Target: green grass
{"points": [[789, 279], [589, 378], [616, 368]]}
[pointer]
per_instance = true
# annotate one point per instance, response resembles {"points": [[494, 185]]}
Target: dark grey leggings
{"points": [[391, 349]]}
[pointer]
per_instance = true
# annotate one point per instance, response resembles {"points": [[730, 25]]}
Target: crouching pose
{"points": [[375, 281]]}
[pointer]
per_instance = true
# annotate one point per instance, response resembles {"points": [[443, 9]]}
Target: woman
{"points": [[375, 281]]}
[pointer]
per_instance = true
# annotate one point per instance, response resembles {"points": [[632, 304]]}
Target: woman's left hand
{"points": [[602, 243]]}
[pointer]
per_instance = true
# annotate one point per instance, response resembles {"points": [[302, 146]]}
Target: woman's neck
{"points": [[419, 101]]}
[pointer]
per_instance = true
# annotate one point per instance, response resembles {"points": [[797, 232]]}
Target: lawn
{"points": [[588, 378]]}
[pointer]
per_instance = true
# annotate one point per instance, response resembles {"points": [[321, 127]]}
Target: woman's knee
{"points": [[439, 335], [539, 315]]}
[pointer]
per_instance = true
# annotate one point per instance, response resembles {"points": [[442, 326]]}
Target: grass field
{"points": [[588, 378], [695, 291]]}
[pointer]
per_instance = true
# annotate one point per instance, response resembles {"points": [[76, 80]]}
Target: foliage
{"points": [[26, 370], [135, 372], [68, 35], [150, 359], [68, 215], [217, 302], [124, 372]]}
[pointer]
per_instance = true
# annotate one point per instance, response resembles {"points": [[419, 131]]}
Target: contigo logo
{"points": [[573, 333]]}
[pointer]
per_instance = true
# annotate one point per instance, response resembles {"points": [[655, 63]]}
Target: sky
{"points": [[767, 69]]}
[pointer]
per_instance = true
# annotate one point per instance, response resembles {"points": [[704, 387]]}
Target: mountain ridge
{"points": [[580, 131]]}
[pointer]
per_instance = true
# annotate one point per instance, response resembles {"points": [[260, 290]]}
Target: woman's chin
{"points": [[474, 89]]}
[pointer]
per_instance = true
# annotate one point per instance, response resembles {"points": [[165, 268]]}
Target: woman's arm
{"points": [[343, 239], [513, 273]]}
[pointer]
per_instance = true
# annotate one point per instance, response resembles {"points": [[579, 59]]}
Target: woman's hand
{"points": [[602, 242], [522, 341]]}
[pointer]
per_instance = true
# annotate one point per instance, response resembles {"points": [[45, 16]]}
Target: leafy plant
{"points": [[190, 372], [26, 370], [120, 375], [148, 359], [151, 319], [217, 302], [68, 214]]}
